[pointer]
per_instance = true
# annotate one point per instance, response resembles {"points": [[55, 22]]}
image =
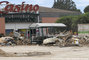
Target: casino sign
{"points": [[18, 8]]}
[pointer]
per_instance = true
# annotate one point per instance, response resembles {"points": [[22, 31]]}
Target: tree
{"points": [[86, 9], [65, 4], [67, 20], [84, 18], [72, 21]]}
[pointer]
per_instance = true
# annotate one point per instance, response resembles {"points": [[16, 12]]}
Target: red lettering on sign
{"points": [[28, 7], [22, 7], [36, 8], [9, 8], [3, 2], [19, 8]]}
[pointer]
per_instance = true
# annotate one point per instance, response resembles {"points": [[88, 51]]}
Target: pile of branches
{"points": [[64, 39], [67, 39], [5, 41], [84, 40], [22, 42]]}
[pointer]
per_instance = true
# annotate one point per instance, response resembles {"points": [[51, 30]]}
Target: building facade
{"points": [[50, 15], [21, 21]]}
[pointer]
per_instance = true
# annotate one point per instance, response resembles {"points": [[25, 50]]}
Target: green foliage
{"points": [[65, 4], [72, 21], [66, 20], [86, 9], [83, 18]]}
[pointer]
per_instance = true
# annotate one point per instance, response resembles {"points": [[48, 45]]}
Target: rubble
{"points": [[50, 40], [63, 39], [5, 40], [84, 40], [12, 41]]}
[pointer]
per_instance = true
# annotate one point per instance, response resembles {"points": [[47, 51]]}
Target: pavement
{"points": [[57, 53]]}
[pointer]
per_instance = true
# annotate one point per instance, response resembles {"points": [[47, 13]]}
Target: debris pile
{"points": [[64, 39], [6, 40], [60, 40], [12, 41], [15, 39], [84, 40]]}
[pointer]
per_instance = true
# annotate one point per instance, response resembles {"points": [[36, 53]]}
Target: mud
{"points": [[4, 54]]}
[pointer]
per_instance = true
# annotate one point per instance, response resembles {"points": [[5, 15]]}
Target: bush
{"points": [[72, 21]]}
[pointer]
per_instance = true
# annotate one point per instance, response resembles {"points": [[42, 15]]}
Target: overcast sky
{"points": [[81, 4]]}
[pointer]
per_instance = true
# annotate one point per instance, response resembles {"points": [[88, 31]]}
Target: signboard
{"points": [[83, 28], [18, 8]]}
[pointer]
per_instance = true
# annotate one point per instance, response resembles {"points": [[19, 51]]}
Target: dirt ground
{"points": [[57, 53]]}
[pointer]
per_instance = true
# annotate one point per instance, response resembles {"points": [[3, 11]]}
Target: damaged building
{"points": [[22, 20]]}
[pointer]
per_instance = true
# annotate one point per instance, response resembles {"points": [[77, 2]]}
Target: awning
{"points": [[34, 25]]}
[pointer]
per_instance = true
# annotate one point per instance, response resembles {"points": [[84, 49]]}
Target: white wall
{"points": [[83, 27], [16, 26]]}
